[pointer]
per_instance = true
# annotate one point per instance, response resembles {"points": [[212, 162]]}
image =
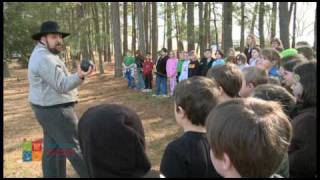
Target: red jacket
{"points": [[147, 67]]}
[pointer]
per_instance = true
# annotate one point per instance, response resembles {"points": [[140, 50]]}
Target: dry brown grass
{"points": [[19, 121]]}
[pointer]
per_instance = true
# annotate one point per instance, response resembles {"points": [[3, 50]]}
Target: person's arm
{"points": [[198, 70], [168, 69], [124, 65], [54, 75], [175, 70], [172, 164], [202, 66]]}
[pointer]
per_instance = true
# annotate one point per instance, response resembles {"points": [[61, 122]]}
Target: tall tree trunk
{"points": [[315, 30], [149, 28], [6, 72], [215, 25], [133, 27], [90, 34], [284, 24], [253, 22], [227, 26], [95, 12], [290, 10], [154, 31], [108, 31], [164, 28], [294, 25], [146, 12], [69, 12], [273, 20], [169, 27], [207, 24], [183, 26], [115, 18], [83, 31], [261, 24], [190, 26], [201, 29], [142, 41], [176, 20], [242, 28], [125, 25], [104, 34]]}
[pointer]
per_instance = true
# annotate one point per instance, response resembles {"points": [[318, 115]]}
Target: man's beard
{"points": [[54, 50]]}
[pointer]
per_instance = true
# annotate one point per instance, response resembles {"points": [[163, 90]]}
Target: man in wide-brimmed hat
{"points": [[52, 95]]}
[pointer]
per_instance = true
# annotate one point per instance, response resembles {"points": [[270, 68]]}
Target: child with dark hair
{"points": [[306, 51], [147, 72], [286, 71], [193, 68], [303, 148], [302, 43], [188, 156], [139, 59], [161, 73], [253, 76], [219, 58], [270, 61], [112, 141], [206, 62], [255, 56], [252, 141], [229, 78], [272, 92]]}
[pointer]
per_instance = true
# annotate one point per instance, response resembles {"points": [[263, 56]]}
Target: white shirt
{"points": [[184, 70]]}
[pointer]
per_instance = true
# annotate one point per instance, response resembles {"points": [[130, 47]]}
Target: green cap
{"points": [[288, 52]]}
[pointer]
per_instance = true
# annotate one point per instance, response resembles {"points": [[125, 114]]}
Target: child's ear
{"points": [[180, 111], [221, 92], [251, 86], [227, 164]]}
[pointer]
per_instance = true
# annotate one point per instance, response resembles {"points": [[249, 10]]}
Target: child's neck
{"points": [[232, 174], [193, 128], [223, 98]]}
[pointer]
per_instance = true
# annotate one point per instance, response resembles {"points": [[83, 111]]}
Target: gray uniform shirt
{"points": [[49, 80]]}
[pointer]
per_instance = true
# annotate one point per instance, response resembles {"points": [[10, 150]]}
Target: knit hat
{"points": [[288, 52], [112, 142]]}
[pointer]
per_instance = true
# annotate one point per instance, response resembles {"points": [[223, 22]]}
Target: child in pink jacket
{"points": [[171, 68]]}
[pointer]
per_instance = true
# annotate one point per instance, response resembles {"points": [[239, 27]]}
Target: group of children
{"points": [[169, 66], [249, 117], [138, 71]]}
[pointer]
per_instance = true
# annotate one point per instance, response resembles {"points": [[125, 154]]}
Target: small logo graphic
{"points": [[31, 150]]}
